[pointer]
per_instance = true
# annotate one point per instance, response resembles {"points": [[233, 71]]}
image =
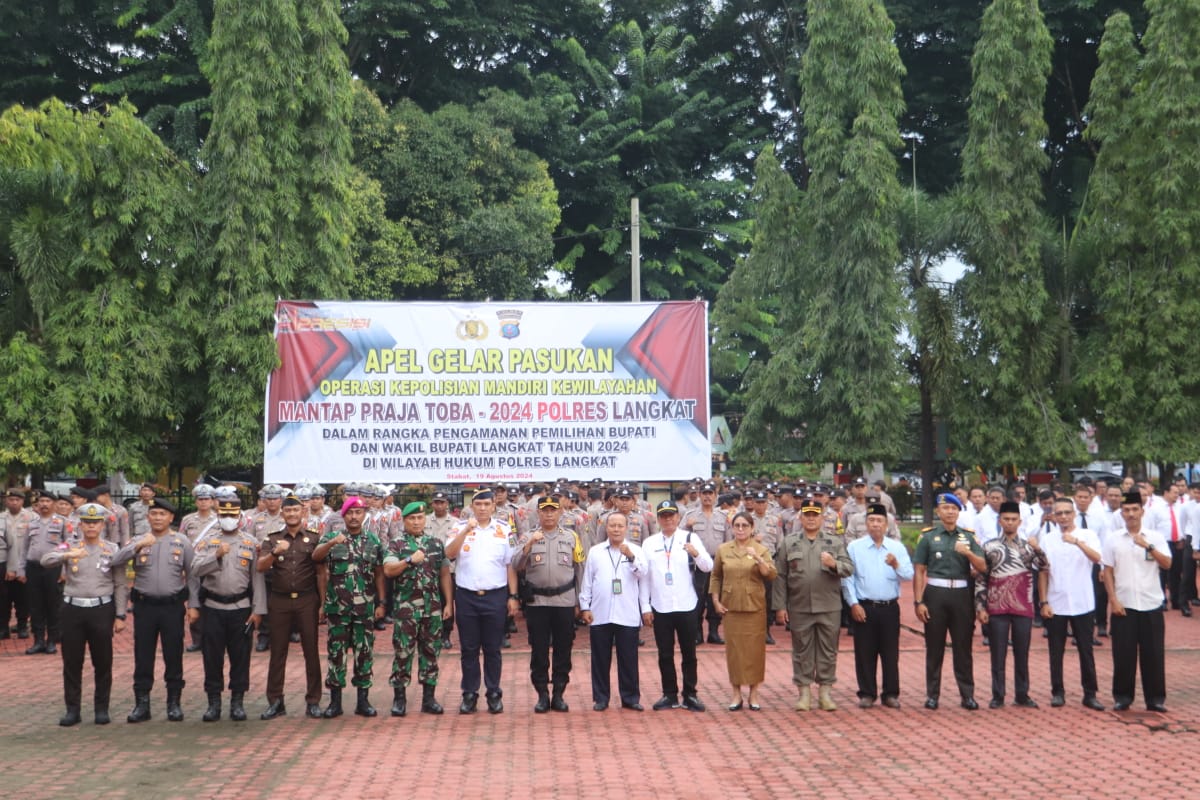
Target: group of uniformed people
{"points": [[613, 564]]}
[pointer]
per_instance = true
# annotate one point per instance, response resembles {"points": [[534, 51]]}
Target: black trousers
{"points": [[603, 640], [681, 626], [481, 628], [953, 611], [154, 623], [1187, 589], [1181, 553], [1101, 591], [705, 607], [13, 597], [550, 626], [1081, 625], [223, 632], [1137, 642], [877, 642], [90, 628], [1021, 629], [45, 599]]}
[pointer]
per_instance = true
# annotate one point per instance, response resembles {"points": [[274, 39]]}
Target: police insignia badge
{"points": [[510, 322]]}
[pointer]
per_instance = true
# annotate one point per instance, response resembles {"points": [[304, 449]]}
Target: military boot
{"points": [[399, 701], [70, 718], [237, 707], [174, 710], [429, 703], [825, 698], [102, 717], [214, 707], [543, 701], [334, 709], [804, 702], [364, 708], [38, 646], [141, 707], [557, 703]]}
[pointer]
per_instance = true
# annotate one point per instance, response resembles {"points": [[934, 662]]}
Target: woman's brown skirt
{"points": [[746, 647]]}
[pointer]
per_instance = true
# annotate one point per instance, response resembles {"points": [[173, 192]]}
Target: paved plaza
{"points": [[1068, 752]]}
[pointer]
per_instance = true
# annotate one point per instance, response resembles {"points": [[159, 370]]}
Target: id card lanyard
{"points": [[667, 547], [616, 582]]}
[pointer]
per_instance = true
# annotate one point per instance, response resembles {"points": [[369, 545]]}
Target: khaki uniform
{"points": [[812, 595]]}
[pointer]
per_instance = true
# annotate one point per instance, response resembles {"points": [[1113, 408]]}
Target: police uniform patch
{"points": [[537, 558]]}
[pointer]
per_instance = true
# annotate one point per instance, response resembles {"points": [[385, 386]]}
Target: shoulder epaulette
{"points": [[968, 530], [927, 530]]}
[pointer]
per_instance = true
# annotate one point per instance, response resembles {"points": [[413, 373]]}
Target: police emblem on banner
{"points": [[471, 329], [510, 322]]}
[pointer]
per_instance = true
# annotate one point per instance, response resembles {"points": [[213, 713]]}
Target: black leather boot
{"points": [[543, 702], [364, 708], [141, 707], [334, 709], [399, 701], [429, 703], [557, 703], [469, 702], [102, 717], [237, 707], [38, 646], [174, 710], [70, 718], [214, 708]]}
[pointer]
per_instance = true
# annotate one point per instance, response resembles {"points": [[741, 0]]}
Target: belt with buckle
{"points": [[891, 602], [947, 583], [87, 602], [293, 595], [482, 592]]}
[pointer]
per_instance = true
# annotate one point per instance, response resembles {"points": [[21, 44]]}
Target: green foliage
{"points": [[833, 371], [476, 212], [96, 253], [1143, 216], [277, 197], [1009, 413]]}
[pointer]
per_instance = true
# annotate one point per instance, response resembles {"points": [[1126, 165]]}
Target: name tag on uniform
{"points": [[670, 579], [616, 586]]}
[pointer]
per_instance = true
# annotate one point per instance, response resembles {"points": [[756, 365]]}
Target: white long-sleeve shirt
{"points": [[669, 578], [605, 566]]}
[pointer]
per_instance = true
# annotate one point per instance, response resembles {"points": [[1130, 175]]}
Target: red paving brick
{"points": [[864, 754]]}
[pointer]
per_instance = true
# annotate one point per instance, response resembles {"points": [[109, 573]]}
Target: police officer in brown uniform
{"points": [[14, 598], [93, 608], [46, 531], [226, 583], [293, 598], [196, 526], [711, 526], [162, 559], [551, 560]]}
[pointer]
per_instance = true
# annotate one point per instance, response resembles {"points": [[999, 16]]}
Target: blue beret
{"points": [[951, 498]]}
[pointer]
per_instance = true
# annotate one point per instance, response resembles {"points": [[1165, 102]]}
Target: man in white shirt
{"points": [[611, 599], [1165, 518], [672, 556], [1132, 558], [1042, 521], [1190, 519], [987, 519], [1086, 519], [1068, 598], [976, 502], [484, 579]]}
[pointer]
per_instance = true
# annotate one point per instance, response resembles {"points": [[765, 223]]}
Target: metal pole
{"points": [[635, 251]]}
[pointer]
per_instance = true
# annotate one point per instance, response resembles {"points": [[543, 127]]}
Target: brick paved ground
{"points": [[878, 753]]}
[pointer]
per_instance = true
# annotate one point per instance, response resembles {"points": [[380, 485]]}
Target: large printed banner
{"points": [[459, 393]]}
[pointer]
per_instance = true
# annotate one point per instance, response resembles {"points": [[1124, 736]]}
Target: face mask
{"points": [[228, 524]]}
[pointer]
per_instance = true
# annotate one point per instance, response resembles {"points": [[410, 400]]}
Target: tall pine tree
{"points": [[276, 198], [835, 372], [1010, 413], [1143, 215]]}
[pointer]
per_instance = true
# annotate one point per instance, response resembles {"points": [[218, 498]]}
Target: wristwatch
{"points": [[514, 597]]}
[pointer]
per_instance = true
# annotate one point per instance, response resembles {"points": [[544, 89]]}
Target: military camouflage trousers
{"points": [[415, 634], [356, 634]]}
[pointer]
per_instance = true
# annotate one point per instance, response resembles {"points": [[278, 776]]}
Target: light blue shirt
{"points": [[873, 579]]}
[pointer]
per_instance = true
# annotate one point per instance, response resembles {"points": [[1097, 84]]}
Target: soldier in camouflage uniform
{"points": [[355, 559], [417, 564]]}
